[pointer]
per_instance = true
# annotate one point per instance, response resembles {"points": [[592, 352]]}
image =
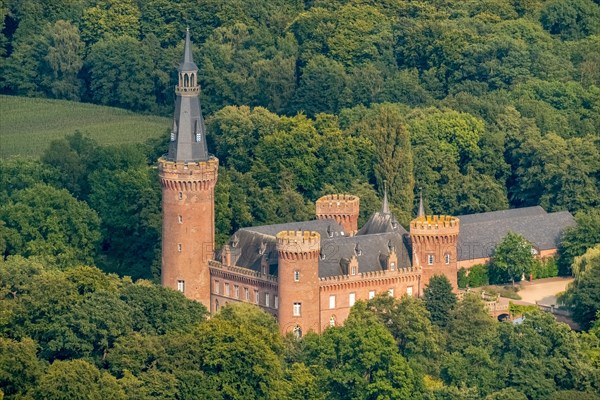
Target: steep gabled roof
{"points": [[481, 233]]}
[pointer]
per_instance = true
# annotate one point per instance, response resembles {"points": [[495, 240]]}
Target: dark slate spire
{"points": [[386, 207], [188, 136], [421, 208]]}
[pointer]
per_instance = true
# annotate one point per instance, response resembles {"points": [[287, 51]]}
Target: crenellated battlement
{"points": [[298, 244], [434, 224], [371, 275], [337, 204], [343, 208], [188, 176]]}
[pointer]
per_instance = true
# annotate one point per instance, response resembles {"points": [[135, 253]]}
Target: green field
{"points": [[28, 125]]}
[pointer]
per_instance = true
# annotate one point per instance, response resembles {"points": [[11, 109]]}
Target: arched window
{"points": [[216, 305], [193, 80], [332, 321], [298, 332], [186, 80]]}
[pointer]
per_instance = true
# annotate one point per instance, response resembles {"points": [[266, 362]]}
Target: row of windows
{"points": [[431, 258], [297, 309], [227, 292]]}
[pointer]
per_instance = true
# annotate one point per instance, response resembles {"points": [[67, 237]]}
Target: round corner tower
{"points": [[298, 259], [188, 175], [343, 208], [434, 239]]}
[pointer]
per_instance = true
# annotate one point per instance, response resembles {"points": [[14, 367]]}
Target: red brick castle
{"points": [[308, 274]]}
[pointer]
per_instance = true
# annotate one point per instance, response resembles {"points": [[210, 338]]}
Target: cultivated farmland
{"points": [[28, 125]]}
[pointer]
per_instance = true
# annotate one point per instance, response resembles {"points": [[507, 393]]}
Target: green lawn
{"points": [[28, 125]]}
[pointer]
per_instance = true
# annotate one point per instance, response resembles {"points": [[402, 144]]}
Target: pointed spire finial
{"points": [[421, 208], [386, 207], [188, 61]]}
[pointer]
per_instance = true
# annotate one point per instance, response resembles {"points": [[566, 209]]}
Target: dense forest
{"points": [[483, 105], [83, 334]]}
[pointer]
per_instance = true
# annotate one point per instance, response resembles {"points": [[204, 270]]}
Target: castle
{"points": [[308, 274]]}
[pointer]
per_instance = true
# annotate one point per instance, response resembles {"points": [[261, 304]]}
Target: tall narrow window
{"points": [[267, 300], [247, 294], [353, 270], [297, 309], [180, 195], [236, 291], [180, 219], [447, 257], [181, 286], [351, 299], [276, 300], [332, 301], [227, 292], [179, 247], [296, 276], [409, 291], [429, 259], [217, 287], [172, 136], [256, 297], [371, 294]]}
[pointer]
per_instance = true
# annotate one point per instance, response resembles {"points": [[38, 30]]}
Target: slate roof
{"points": [[480, 233], [372, 255], [381, 222], [257, 245]]}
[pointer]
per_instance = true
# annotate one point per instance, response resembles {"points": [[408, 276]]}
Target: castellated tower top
{"points": [[337, 204], [435, 224], [343, 208], [303, 244], [188, 134]]}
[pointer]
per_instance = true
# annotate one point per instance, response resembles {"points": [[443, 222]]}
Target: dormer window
{"points": [[198, 137], [353, 270], [393, 266]]}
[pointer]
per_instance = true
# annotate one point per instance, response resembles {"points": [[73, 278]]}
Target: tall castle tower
{"points": [[343, 208], [188, 175], [299, 308], [434, 239]]}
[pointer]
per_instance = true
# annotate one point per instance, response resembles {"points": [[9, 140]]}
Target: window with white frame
{"points": [[276, 301], [391, 292], [409, 291], [256, 297], [236, 291], [371, 294], [181, 286], [180, 219], [179, 247], [267, 300], [351, 299], [393, 266], [447, 258], [353, 270], [247, 294], [227, 292], [429, 259], [297, 309], [296, 276], [332, 301], [217, 287]]}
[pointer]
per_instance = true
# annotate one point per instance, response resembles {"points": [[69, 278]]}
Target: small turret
{"points": [[343, 208], [298, 253], [434, 239]]}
